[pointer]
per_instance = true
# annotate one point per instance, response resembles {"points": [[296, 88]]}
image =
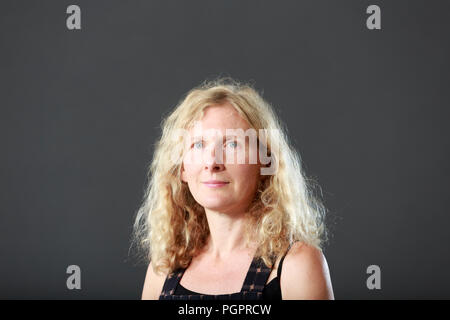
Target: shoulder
{"points": [[153, 284], [305, 274]]}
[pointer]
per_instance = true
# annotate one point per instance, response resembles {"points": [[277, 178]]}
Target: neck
{"points": [[226, 236]]}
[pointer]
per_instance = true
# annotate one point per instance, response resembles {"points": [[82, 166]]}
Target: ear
{"points": [[183, 174], [263, 177]]}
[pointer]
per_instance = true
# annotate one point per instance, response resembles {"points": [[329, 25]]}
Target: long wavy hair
{"points": [[171, 227]]}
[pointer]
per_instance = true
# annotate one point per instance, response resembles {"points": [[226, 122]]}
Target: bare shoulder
{"points": [[305, 274], [153, 284]]}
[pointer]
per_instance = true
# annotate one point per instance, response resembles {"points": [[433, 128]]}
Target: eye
{"points": [[232, 144], [197, 145]]}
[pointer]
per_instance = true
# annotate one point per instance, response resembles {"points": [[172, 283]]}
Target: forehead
{"points": [[221, 117]]}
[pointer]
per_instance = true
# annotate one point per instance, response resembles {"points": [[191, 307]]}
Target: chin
{"points": [[216, 205]]}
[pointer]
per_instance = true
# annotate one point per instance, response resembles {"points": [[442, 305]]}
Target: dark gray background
{"points": [[80, 110]]}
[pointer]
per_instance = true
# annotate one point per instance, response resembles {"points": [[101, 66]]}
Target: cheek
{"points": [[245, 173], [190, 171]]}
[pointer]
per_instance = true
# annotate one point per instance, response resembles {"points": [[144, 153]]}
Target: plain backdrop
{"points": [[367, 109]]}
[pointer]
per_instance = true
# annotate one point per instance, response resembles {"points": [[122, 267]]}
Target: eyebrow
{"points": [[224, 138]]}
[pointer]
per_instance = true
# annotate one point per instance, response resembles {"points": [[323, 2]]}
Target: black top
{"points": [[271, 291]]}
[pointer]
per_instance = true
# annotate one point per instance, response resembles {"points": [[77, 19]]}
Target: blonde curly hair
{"points": [[171, 227]]}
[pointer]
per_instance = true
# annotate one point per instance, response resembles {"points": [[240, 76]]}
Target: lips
{"points": [[215, 183]]}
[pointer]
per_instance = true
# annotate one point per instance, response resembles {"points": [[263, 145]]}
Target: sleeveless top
{"points": [[254, 287]]}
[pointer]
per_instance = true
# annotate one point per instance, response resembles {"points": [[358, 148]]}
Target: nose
{"points": [[214, 161]]}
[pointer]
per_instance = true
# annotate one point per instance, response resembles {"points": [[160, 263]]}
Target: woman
{"points": [[218, 222]]}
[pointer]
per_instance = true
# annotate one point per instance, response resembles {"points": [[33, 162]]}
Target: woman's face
{"points": [[215, 183]]}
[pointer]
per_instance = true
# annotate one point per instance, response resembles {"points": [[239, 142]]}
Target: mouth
{"points": [[215, 183]]}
